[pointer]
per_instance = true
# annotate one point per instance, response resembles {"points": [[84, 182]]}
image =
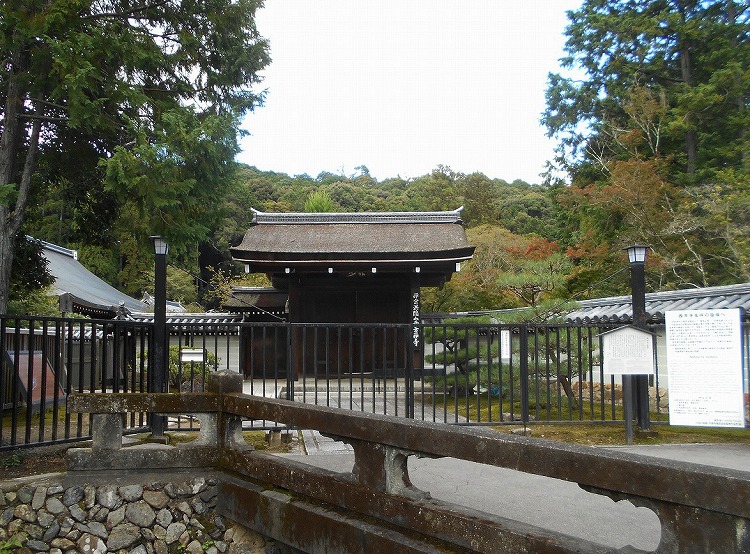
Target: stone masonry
{"points": [[43, 515]]}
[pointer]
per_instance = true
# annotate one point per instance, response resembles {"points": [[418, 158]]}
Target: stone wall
{"points": [[45, 515]]}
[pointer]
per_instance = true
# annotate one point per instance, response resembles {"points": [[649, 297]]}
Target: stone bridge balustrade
{"points": [[384, 468], [375, 508]]}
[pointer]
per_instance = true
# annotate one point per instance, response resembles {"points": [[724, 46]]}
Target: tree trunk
{"points": [[691, 138], [6, 260], [686, 68], [12, 136], [565, 383], [11, 219], [11, 143], [741, 101]]}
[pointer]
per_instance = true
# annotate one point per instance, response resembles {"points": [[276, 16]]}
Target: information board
{"points": [[628, 351], [704, 364]]}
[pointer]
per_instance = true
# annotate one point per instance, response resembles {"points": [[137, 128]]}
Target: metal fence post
{"points": [[289, 363], [524, 371]]}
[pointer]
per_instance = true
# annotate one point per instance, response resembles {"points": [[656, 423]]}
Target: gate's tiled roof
{"points": [[354, 237]]}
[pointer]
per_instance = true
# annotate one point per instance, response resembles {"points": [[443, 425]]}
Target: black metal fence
{"points": [[473, 374]]}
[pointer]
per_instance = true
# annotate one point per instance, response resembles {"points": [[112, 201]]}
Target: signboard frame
{"points": [[628, 350], [705, 368], [188, 355]]}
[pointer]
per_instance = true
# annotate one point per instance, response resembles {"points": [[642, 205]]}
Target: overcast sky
{"points": [[401, 86]]}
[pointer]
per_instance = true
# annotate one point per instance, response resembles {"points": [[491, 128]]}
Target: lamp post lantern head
{"points": [[160, 245], [637, 253]]}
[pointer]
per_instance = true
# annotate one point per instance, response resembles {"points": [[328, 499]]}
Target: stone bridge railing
{"points": [[375, 508]]}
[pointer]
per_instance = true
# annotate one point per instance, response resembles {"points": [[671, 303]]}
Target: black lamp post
{"points": [[159, 381], [637, 256]]}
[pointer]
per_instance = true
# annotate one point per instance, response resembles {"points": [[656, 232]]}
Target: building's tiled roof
{"points": [[190, 319], [618, 309], [80, 290], [187, 324]]}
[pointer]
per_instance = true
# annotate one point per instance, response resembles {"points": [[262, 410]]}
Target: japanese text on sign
{"points": [[415, 318], [704, 364], [628, 351]]}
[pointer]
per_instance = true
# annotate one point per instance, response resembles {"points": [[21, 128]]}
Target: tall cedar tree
{"points": [[156, 90]]}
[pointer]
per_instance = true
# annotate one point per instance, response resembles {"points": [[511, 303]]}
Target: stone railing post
{"points": [[106, 431], [228, 427], [383, 468]]}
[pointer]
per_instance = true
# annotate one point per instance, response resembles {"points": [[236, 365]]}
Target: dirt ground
{"points": [[22, 463]]}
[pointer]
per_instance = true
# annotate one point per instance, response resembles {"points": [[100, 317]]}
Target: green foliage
{"points": [[272, 191], [549, 311], [655, 135], [39, 302], [100, 261], [536, 271], [467, 344], [145, 99], [10, 461], [137, 273], [247, 189], [507, 271], [172, 180], [147, 102], [181, 286], [11, 545], [320, 201], [475, 287], [435, 192], [667, 59], [527, 210], [480, 197], [30, 267], [477, 379], [472, 360], [471, 345], [221, 283], [71, 207], [219, 287], [30, 282], [8, 193]]}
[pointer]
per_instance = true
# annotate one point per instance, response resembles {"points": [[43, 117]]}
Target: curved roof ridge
{"points": [[55, 248], [295, 218]]}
